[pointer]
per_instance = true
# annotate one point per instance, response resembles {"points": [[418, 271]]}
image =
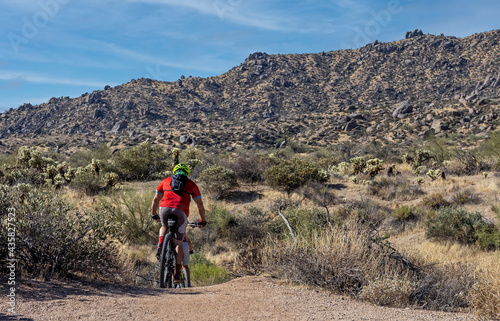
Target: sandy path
{"points": [[247, 298]]}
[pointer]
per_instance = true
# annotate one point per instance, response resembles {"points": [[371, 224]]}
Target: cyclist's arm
{"points": [[156, 203], [201, 208]]}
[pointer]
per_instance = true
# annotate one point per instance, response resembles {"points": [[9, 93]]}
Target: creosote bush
{"points": [[291, 174], [53, 239], [218, 180], [465, 227], [142, 162]]}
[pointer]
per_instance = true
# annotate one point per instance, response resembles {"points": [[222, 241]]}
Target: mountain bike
{"points": [[167, 257]]}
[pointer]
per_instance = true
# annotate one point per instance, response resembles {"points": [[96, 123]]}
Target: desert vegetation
{"points": [[413, 229]]}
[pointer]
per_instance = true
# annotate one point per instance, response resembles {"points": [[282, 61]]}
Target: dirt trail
{"points": [[246, 298]]}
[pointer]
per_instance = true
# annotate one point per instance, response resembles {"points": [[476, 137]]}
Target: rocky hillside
{"points": [[394, 92]]}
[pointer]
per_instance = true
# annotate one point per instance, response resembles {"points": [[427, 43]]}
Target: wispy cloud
{"points": [[41, 79], [236, 11]]}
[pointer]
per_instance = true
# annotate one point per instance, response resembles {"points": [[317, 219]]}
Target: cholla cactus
{"points": [[358, 164], [344, 168], [434, 174], [419, 170], [111, 179], [408, 159], [422, 156], [420, 180], [95, 166], [374, 166]]}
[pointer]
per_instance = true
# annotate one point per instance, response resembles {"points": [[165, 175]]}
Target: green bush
{"points": [[55, 239], [304, 222], [218, 180], [204, 272], [131, 211], [91, 179], [405, 213], [290, 174], [459, 225], [435, 201], [143, 162], [221, 221], [82, 158]]}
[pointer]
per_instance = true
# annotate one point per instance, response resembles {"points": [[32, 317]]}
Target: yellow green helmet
{"points": [[181, 167]]}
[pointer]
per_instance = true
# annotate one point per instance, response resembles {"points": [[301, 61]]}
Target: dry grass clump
{"points": [[484, 296], [388, 292]]}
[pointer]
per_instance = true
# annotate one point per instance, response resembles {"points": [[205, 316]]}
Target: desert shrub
{"points": [[323, 158], [395, 189], [465, 163], [218, 180], [82, 158], [194, 158], [320, 194], [488, 237], [250, 225], [204, 272], [54, 239], [290, 174], [240, 227], [365, 212], [249, 167], [221, 221], [143, 162], [491, 146], [91, 179], [459, 225], [419, 158], [434, 201], [405, 213], [440, 148], [131, 211], [304, 222], [465, 196]]}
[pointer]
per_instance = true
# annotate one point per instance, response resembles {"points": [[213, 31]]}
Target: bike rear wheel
{"points": [[167, 262]]}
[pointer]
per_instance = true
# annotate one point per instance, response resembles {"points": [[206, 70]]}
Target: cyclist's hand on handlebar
{"points": [[155, 217], [202, 223]]}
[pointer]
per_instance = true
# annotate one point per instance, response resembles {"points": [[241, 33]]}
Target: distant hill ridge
{"points": [[393, 92]]}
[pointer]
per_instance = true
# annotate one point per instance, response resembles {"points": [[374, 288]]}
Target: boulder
{"points": [[94, 98], [184, 139], [402, 108], [120, 125]]}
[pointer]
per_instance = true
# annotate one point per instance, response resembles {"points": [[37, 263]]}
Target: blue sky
{"points": [[54, 48]]}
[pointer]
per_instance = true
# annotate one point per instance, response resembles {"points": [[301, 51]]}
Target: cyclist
{"points": [[173, 196]]}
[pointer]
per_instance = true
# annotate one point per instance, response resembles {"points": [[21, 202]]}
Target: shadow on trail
{"points": [[56, 290], [242, 197], [337, 187]]}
